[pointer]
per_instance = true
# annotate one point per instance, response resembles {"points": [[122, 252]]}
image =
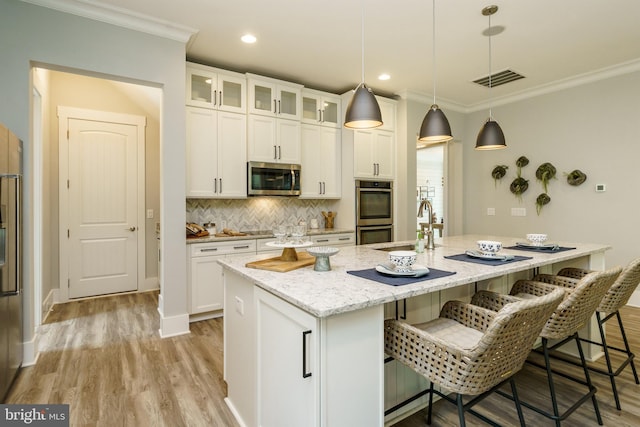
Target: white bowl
{"points": [[489, 246], [403, 260], [536, 238]]}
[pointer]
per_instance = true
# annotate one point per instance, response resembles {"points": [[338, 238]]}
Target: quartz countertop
{"points": [[266, 234], [333, 292]]}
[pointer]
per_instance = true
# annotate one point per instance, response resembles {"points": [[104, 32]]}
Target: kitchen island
{"points": [[305, 348]]}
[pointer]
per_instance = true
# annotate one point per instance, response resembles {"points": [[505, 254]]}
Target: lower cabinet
{"points": [[206, 286], [288, 363]]}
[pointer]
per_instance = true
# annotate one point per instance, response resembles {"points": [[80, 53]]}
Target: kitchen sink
{"points": [[404, 247]]}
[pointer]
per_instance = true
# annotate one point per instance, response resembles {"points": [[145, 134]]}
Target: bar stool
{"points": [[580, 302], [471, 350], [616, 297]]}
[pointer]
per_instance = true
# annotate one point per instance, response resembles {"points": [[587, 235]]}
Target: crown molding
{"points": [[120, 17], [578, 80]]}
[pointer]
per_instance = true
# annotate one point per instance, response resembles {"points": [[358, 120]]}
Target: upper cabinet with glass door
{"points": [[321, 108], [277, 98], [213, 88]]}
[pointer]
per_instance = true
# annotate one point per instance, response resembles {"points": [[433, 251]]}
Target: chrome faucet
{"points": [[430, 244]]}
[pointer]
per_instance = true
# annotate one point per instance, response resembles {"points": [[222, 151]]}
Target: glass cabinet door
{"points": [[310, 109], [330, 112], [200, 88], [263, 98], [231, 93], [288, 103]]}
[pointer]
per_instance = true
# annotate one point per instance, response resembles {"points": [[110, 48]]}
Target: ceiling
{"points": [[318, 43]]}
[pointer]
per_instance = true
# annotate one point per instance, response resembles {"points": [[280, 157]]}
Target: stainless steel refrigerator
{"points": [[10, 260]]}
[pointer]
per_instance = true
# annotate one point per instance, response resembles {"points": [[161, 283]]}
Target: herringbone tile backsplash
{"points": [[259, 213]]}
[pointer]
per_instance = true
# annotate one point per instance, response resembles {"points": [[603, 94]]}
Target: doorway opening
{"points": [[58, 86]]}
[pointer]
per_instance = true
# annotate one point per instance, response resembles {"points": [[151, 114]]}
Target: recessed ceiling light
{"points": [[384, 77], [248, 38]]}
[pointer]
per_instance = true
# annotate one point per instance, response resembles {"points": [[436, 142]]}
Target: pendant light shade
{"points": [[435, 126], [490, 136], [363, 111]]}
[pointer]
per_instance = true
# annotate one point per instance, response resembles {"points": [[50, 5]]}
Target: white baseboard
{"points": [[234, 412], [48, 304], [171, 326], [30, 351], [150, 284]]}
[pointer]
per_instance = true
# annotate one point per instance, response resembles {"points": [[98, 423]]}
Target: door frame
{"points": [[64, 114]]}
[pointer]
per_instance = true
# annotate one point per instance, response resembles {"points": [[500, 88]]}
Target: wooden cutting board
{"points": [[282, 266]]}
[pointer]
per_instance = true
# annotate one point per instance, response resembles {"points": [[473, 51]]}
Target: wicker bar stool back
{"points": [[581, 300], [615, 298], [471, 350]]}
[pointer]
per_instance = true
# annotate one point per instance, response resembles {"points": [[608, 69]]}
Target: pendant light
{"points": [[490, 136], [363, 111], [435, 126]]}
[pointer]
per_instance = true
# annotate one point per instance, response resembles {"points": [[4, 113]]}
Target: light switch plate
{"points": [[149, 213], [518, 212], [491, 211], [239, 305]]}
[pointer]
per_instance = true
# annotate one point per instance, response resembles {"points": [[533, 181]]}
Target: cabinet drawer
{"points": [[334, 239], [223, 248]]}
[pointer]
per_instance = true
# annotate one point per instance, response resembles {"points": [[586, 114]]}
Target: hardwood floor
{"points": [[104, 358]]}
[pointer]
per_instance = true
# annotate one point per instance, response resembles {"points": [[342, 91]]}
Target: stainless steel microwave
{"points": [[273, 179]]}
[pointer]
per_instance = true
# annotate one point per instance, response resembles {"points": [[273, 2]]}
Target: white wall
{"points": [[594, 128], [32, 35]]}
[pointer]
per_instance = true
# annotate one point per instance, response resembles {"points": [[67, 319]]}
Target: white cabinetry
{"points": [[274, 120], [288, 363], [321, 108], [216, 152], [342, 239], [273, 140], [321, 162], [373, 154], [206, 288], [274, 98], [209, 87], [388, 111]]}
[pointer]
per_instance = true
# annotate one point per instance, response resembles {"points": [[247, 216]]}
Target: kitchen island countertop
{"points": [[324, 294]]}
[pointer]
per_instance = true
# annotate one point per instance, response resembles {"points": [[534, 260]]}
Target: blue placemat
{"points": [[372, 274], [467, 258], [540, 249]]}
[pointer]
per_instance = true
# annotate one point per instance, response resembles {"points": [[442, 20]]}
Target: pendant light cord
{"points": [[434, 51], [362, 37], [490, 83]]}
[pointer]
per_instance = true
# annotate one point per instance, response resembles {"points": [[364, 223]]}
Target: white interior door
{"points": [[102, 207]]}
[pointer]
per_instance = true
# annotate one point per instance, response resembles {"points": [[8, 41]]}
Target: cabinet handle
{"points": [[215, 185], [320, 184], [209, 250], [220, 185], [320, 115], [220, 99], [241, 247], [279, 152], [344, 238], [305, 374], [279, 110], [322, 240], [374, 169], [215, 97], [324, 187], [275, 152]]}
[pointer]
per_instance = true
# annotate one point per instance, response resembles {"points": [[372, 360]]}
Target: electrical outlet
{"points": [[601, 188], [239, 306], [491, 211], [518, 212], [149, 213]]}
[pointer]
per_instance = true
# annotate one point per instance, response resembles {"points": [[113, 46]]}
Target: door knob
{"points": [[132, 228]]}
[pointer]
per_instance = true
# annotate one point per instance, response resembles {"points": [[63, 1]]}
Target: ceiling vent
{"points": [[499, 78]]}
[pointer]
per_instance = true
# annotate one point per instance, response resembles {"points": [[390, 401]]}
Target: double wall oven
{"points": [[374, 212]]}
